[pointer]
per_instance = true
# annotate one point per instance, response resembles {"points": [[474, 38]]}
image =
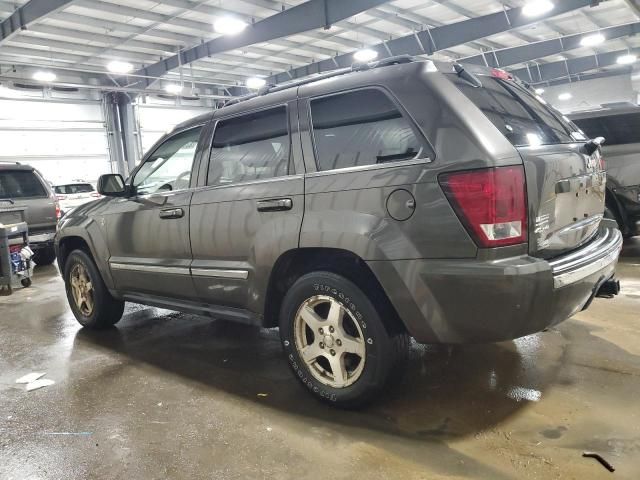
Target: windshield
{"points": [[74, 188], [524, 118], [20, 184]]}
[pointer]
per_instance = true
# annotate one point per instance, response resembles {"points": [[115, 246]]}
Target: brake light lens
{"points": [[58, 211], [96, 195], [61, 197], [501, 74], [491, 203]]}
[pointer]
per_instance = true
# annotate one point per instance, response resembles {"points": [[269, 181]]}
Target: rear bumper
{"points": [[41, 240], [471, 301]]}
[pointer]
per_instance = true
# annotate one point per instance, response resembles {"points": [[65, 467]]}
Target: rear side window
{"points": [[20, 184], [363, 127], [250, 147], [620, 129], [74, 188], [524, 119]]}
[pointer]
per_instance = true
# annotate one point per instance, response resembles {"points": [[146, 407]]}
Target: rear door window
{"points": [[21, 184], [621, 129], [524, 119], [74, 188], [363, 127]]}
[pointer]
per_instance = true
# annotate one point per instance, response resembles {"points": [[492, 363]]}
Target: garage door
{"points": [[65, 140]]}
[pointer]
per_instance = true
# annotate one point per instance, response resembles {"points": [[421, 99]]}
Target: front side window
{"points": [[169, 167], [20, 184], [250, 147], [360, 128], [74, 188]]}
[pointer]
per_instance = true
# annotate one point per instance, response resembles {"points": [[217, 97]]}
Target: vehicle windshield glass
{"points": [[621, 129], [20, 184], [524, 118], [74, 188]]}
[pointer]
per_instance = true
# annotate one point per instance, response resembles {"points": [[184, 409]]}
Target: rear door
{"points": [[249, 208], [24, 188], [565, 187]]}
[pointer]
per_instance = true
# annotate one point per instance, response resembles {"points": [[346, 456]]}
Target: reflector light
{"points": [[491, 203], [501, 74]]}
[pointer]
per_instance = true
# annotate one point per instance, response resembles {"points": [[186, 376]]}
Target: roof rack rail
{"points": [[10, 162], [356, 67]]}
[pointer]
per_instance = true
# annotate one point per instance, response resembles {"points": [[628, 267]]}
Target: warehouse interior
{"points": [[90, 88]]}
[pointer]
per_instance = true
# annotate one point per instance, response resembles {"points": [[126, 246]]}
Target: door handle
{"points": [[171, 213], [275, 205]]}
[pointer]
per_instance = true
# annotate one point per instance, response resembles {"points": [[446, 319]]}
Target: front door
{"points": [[148, 233], [250, 210]]}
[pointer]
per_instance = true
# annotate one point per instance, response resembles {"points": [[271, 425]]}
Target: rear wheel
{"points": [[92, 304], [336, 342], [44, 256]]}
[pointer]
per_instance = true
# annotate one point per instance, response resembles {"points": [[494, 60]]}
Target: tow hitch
{"points": [[609, 289]]}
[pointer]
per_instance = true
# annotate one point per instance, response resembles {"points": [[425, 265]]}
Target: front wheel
{"points": [[336, 342], [92, 304]]}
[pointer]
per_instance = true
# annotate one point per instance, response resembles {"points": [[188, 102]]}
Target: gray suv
{"points": [[354, 211], [620, 127], [22, 186]]}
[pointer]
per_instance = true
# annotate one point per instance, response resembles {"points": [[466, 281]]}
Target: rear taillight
{"points": [[96, 195], [491, 203], [58, 211], [61, 197]]}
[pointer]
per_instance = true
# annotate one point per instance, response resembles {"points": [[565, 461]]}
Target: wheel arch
{"points": [[295, 263]]}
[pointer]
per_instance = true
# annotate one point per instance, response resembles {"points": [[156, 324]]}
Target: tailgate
{"points": [[566, 193]]}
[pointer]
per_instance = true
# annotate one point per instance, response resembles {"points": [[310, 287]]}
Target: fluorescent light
{"points": [[592, 40], [173, 88], [229, 26], [565, 96], [44, 76], [255, 83], [365, 55], [535, 8], [119, 67], [539, 91], [627, 59]]}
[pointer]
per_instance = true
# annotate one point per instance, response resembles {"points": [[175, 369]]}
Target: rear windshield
{"points": [[74, 188], [20, 184], [620, 129], [525, 119]]}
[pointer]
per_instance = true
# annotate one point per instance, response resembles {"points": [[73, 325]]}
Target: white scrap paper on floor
{"points": [[31, 377], [44, 382]]}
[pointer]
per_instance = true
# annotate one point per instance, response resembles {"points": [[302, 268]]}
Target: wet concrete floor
{"points": [[168, 395]]}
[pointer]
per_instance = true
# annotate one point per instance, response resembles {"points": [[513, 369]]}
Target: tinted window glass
{"points": [[169, 167], [616, 129], [250, 147], [521, 117], [74, 188], [362, 128], [20, 184]]}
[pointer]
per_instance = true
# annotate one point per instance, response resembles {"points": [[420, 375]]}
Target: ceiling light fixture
{"points": [[173, 88], [229, 25], [565, 96], [365, 55], [535, 8], [255, 83], [627, 59], [44, 76], [119, 67], [592, 40]]}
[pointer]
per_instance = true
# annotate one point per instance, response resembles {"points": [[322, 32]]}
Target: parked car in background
{"points": [[74, 194], [23, 186], [620, 127], [400, 199]]}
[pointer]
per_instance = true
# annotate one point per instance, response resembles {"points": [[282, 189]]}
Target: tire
{"points": [[96, 309], [44, 256], [364, 374], [26, 282]]}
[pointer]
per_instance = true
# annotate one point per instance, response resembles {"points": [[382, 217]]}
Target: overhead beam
{"points": [[534, 51], [634, 5], [28, 13], [626, 70], [307, 16], [547, 72], [440, 38]]}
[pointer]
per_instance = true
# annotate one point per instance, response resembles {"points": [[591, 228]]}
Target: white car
{"points": [[74, 194]]}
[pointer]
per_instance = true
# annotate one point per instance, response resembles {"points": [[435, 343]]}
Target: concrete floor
{"points": [[167, 395]]}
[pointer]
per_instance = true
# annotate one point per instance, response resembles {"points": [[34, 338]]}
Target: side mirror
{"points": [[112, 185], [592, 145]]}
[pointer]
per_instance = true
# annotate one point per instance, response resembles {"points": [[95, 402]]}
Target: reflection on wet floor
{"points": [[170, 395]]}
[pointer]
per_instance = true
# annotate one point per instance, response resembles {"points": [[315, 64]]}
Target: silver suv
{"points": [[22, 186], [353, 211]]}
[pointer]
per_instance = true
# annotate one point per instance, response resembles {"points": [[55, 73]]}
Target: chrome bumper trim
{"points": [[42, 237], [590, 259]]}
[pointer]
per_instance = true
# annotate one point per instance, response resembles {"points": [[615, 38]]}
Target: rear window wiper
{"points": [[470, 78]]}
